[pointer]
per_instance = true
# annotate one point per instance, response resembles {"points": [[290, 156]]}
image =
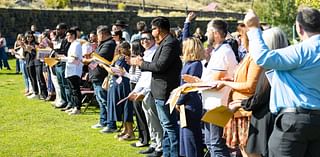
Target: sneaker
{"points": [[139, 144], [108, 130], [97, 126], [66, 108], [69, 110], [75, 111], [33, 96]]}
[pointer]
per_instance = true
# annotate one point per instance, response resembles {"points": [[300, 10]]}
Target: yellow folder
{"points": [[218, 116], [51, 61]]}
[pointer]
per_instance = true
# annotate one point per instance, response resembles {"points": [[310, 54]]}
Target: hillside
{"points": [[218, 5]]}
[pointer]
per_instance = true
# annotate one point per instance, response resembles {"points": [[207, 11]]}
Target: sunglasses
{"points": [[145, 38]]}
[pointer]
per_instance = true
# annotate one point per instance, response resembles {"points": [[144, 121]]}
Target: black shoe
{"points": [[148, 151], [154, 154]]}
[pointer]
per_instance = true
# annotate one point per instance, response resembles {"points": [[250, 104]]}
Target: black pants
{"points": [[144, 136], [41, 80], [295, 135], [75, 93]]}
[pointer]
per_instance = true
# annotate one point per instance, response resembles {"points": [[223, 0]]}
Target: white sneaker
{"points": [[75, 111], [97, 126], [33, 96], [69, 110]]}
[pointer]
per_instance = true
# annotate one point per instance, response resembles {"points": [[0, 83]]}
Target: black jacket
{"points": [[105, 50], [165, 67]]}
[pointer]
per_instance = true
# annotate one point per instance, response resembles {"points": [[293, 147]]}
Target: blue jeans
{"points": [[101, 97], [24, 74], [170, 127], [4, 58], [65, 94], [214, 141]]}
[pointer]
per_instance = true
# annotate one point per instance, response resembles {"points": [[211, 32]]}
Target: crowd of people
{"points": [[269, 86]]}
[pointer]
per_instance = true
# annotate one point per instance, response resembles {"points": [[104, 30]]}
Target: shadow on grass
{"points": [[9, 73]]}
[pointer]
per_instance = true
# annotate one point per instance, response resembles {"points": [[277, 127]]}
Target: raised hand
{"points": [[191, 16], [251, 20]]}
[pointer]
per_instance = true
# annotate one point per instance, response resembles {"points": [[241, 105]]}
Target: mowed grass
{"points": [[35, 128]]}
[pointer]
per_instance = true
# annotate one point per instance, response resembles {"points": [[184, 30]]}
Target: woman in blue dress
{"points": [[190, 136], [119, 88]]}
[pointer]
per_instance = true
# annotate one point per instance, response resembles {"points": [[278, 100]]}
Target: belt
{"points": [[299, 110]]}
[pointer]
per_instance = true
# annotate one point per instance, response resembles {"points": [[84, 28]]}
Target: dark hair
{"points": [[124, 48], [309, 19], [117, 33], [93, 32], [221, 26], [72, 32], [162, 23], [76, 28], [141, 26], [33, 38], [136, 48], [104, 29], [62, 26]]}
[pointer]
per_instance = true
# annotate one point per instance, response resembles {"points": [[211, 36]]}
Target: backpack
{"points": [[235, 47]]}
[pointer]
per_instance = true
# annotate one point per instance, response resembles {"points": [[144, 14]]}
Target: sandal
{"points": [[120, 135], [127, 137]]}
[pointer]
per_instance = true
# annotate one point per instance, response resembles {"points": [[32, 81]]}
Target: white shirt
{"points": [[144, 83], [222, 59], [74, 60]]}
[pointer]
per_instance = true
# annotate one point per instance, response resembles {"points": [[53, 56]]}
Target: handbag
{"points": [[105, 83]]}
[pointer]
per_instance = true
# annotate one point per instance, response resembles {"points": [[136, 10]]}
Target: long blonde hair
{"points": [[192, 49]]}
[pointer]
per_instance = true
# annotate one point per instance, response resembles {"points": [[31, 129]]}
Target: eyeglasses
{"points": [[153, 28]]}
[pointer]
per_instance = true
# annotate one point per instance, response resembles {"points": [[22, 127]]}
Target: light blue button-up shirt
{"points": [[296, 78]]}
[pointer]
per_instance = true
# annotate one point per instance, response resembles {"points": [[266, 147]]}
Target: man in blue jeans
{"points": [[106, 47], [165, 67]]}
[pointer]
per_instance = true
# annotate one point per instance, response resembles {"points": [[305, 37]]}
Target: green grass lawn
{"points": [[35, 128]]}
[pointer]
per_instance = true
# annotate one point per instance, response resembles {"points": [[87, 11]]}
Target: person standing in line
{"points": [[3, 53], [190, 143], [295, 90], [165, 67], [142, 90], [61, 50], [141, 27], [106, 48], [74, 71], [222, 64]]}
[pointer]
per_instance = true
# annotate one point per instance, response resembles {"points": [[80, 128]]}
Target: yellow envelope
{"points": [[51, 61], [219, 116], [99, 58]]}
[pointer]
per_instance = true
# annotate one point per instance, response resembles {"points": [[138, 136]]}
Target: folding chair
{"points": [[87, 92]]}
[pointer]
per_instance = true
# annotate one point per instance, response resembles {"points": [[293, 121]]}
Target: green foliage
{"points": [[277, 13], [310, 3], [34, 128], [121, 6], [56, 3]]}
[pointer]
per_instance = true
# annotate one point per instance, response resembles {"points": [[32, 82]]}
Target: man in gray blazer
{"points": [[165, 67]]}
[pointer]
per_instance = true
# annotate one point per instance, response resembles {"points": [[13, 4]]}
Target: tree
{"points": [[277, 13]]}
